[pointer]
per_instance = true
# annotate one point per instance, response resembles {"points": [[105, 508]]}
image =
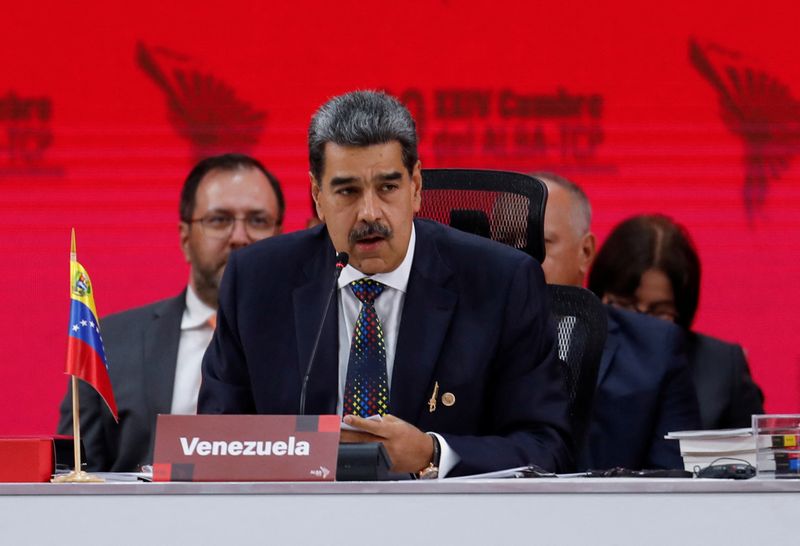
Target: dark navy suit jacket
{"points": [[474, 320], [644, 390]]}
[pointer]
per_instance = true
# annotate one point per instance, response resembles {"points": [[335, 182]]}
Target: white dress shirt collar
{"points": [[197, 312]]}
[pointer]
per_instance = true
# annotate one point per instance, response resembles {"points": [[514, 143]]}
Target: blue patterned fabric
{"points": [[366, 390]]}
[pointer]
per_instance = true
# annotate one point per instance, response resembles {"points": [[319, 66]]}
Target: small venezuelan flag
{"points": [[86, 358]]}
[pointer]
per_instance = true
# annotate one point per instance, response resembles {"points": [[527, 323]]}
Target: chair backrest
{"points": [[582, 327], [509, 208], [504, 206]]}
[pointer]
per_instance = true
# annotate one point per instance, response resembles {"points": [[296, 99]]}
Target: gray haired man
{"points": [[569, 243], [442, 334]]}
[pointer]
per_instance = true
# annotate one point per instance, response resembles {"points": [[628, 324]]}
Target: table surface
{"points": [[563, 511], [494, 486]]}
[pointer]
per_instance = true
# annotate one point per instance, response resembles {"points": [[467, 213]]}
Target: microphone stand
{"points": [[341, 261]]}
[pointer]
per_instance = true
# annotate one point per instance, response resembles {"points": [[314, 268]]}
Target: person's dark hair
{"points": [[224, 162], [649, 242], [361, 118]]}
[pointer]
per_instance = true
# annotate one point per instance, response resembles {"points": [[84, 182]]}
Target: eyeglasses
{"points": [[220, 226], [659, 309]]}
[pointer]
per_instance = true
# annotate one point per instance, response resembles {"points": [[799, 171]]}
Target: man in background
{"points": [[154, 352], [644, 387], [570, 245]]}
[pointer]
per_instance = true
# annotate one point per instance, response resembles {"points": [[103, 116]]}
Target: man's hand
{"points": [[410, 449]]}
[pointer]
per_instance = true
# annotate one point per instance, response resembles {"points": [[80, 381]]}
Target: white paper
{"points": [[345, 426]]}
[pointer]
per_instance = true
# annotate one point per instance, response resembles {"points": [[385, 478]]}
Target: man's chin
{"points": [[370, 265], [211, 279]]}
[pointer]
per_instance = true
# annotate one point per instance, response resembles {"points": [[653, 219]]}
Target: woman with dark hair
{"points": [[649, 264]]}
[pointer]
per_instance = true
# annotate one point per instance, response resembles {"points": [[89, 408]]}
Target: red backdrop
{"points": [[685, 108]]}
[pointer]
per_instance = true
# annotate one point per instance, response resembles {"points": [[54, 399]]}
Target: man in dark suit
{"points": [[154, 352], [644, 386], [644, 391], [453, 338]]}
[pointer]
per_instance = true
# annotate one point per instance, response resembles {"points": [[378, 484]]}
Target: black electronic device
{"points": [[367, 462], [730, 471], [619, 472]]}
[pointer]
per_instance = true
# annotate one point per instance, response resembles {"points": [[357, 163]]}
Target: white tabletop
{"points": [[579, 511]]}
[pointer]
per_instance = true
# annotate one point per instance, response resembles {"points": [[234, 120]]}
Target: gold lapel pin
{"points": [[448, 399], [432, 401]]}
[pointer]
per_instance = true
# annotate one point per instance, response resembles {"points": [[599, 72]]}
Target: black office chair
{"points": [[504, 206], [509, 208], [582, 327]]}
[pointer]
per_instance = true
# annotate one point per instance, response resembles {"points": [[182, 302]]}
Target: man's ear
{"points": [[184, 231], [588, 250], [416, 184], [315, 189]]}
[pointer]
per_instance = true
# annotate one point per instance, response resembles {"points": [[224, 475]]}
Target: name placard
{"points": [[230, 448]]}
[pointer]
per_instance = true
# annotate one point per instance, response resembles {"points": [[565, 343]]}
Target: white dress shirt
{"points": [[389, 308], [196, 333]]}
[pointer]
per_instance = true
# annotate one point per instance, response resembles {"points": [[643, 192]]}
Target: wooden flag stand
{"points": [[77, 475]]}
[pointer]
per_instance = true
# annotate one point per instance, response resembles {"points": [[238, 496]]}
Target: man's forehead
{"points": [[561, 206], [559, 197], [241, 189], [243, 175], [358, 162]]}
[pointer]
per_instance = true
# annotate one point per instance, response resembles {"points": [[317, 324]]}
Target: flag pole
{"points": [[76, 405], [77, 474]]}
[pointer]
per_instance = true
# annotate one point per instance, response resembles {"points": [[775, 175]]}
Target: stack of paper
{"points": [[701, 448]]}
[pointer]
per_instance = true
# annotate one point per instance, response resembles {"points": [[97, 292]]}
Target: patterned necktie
{"points": [[366, 391]]}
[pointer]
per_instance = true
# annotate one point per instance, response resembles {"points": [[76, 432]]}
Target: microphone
{"points": [[341, 261]]}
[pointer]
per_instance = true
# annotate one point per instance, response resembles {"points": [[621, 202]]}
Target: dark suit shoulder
{"points": [[644, 392], [465, 251], [286, 245], [712, 357], [139, 317], [286, 254], [727, 393], [704, 345]]}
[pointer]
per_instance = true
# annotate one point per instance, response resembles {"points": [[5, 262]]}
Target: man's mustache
{"points": [[366, 230]]}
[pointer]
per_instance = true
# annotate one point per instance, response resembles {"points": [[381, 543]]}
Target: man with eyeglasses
{"points": [[155, 352], [644, 388]]}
